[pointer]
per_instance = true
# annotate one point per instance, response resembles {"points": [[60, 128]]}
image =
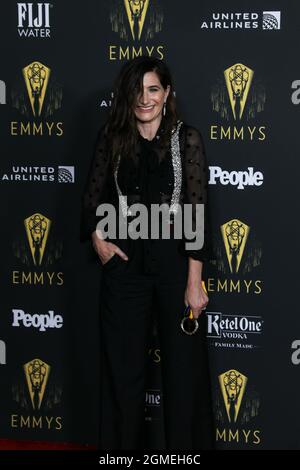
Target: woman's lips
{"points": [[145, 109]]}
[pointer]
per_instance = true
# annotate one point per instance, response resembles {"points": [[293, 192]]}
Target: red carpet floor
{"points": [[8, 444]]}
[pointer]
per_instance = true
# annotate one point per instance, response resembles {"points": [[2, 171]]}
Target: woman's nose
{"points": [[144, 97]]}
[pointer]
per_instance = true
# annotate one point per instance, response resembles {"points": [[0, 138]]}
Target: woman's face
{"points": [[150, 102]]}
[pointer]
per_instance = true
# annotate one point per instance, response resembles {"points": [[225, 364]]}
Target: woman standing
{"points": [[145, 155]]}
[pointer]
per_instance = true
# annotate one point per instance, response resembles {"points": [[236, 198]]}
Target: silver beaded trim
{"points": [[125, 210], [177, 171]]}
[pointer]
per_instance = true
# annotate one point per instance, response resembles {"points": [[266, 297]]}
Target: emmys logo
{"points": [[295, 358], [296, 94], [136, 13], [233, 385], [2, 352], [271, 20], [238, 179], [37, 393], [34, 20], [36, 76], [40, 97], [135, 20], [234, 234], [37, 374], [32, 251], [2, 92], [238, 80], [236, 97], [37, 229], [237, 254]]}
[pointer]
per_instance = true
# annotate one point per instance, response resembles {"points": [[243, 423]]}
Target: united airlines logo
{"points": [[225, 21], [271, 20], [66, 174], [39, 174]]}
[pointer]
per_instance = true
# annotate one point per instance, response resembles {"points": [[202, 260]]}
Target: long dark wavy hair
{"points": [[121, 129]]}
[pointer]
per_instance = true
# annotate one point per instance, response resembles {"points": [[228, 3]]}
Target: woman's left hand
{"points": [[196, 297]]}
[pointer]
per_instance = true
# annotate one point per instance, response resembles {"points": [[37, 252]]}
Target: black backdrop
{"points": [[45, 155]]}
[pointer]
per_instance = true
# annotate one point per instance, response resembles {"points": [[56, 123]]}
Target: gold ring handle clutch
{"points": [[189, 324]]}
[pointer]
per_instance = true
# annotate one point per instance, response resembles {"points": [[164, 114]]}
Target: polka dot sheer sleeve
{"points": [[195, 185], [97, 187]]}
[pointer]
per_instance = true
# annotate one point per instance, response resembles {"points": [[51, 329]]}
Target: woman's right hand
{"points": [[106, 250]]}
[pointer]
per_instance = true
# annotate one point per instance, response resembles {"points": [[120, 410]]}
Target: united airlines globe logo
{"points": [[65, 174], [271, 20]]}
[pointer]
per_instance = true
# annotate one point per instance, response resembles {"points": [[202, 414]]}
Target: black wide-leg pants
{"points": [[126, 325]]}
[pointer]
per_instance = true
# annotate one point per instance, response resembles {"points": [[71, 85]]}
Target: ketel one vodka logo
{"points": [[36, 373], [238, 80], [235, 234], [37, 229], [36, 76], [233, 385]]}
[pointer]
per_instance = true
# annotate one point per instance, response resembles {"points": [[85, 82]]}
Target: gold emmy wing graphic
{"points": [[238, 80], [136, 12], [37, 229], [36, 76], [235, 234], [36, 373], [233, 385]]}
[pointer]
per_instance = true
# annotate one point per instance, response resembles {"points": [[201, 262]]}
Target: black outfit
{"points": [[157, 268]]}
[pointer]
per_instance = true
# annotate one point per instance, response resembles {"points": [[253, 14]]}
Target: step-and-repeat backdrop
{"points": [[237, 79]]}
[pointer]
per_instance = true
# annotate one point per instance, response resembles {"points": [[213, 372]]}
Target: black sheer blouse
{"points": [[149, 178]]}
